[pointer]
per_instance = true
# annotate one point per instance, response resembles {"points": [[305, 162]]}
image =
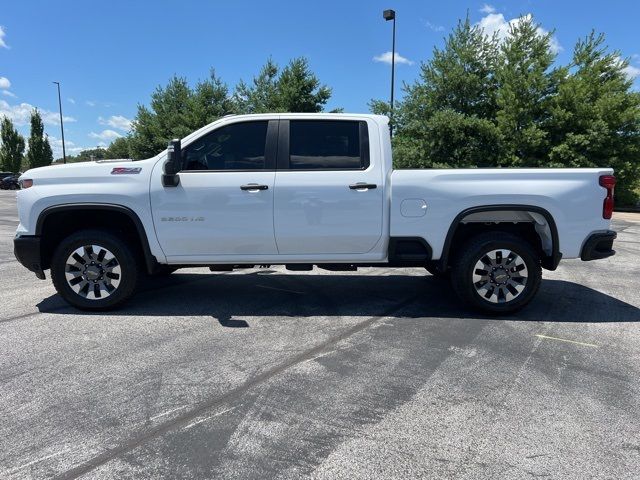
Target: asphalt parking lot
{"points": [[371, 374]]}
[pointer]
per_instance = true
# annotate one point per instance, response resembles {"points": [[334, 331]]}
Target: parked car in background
{"points": [[10, 183]]}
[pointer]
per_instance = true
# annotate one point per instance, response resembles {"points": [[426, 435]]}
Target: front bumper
{"points": [[27, 251], [598, 245]]}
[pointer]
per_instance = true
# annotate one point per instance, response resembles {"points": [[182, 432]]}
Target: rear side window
{"points": [[239, 146], [328, 145]]}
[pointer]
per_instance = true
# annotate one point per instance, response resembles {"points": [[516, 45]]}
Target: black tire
{"points": [[129, 269], [488, 295]]}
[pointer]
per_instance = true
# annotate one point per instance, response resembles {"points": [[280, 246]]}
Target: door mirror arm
{"points": [[170, 177]]}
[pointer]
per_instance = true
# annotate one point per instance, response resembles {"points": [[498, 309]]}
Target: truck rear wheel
{"points": [[497, 273], [94, 270]]}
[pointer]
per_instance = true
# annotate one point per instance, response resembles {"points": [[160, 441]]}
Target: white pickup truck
{"points": [[303, 190]]}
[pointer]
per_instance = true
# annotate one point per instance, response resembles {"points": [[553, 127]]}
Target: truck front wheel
{"points": [[94, 270], [496, 272]]}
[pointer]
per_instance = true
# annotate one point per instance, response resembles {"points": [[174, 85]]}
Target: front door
{"points": [[223, 204]]}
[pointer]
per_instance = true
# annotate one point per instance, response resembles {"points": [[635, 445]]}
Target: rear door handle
{"points": [[254, 186], [362, 186]]}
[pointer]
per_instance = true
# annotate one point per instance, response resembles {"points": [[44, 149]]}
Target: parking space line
{"points": [[568, 341]]}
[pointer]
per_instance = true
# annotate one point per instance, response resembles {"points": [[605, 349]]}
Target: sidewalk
{"points": [[627, 216]]}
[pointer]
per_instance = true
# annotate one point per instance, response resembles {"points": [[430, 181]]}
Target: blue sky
{"points": [[109, 56]]}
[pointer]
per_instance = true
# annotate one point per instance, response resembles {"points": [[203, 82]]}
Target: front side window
{"points": [[326, 145], [239, 146]]}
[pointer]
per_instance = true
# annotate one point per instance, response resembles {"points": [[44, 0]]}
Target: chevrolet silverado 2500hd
{"points": [[303, 190]]}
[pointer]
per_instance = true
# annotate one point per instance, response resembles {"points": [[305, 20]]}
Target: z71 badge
{"points": [[126, 170]]}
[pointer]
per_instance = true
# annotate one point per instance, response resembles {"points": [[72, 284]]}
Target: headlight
{"points": [[26, 183]]}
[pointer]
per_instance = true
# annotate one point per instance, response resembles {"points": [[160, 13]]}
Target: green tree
{"points": [[447, 117], [175, 111], [178, 109], [262, 95], [39, 153], [595, 116], [119, 148], [526, 85], [12, 148], [294, 89]]}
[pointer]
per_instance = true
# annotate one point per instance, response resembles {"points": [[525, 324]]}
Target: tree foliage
{"points": [[481, 102], [294, 89], [177, 109], [39, 154], [11, 147], [595, 116]]}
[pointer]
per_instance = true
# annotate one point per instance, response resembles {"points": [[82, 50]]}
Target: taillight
{"points": [[608, 182], [26, 183]]}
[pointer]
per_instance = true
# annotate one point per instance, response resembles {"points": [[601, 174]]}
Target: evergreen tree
{"points": [[11, 148], [295, 89], [169, 117], [119, 148], [595, 117], [525, 87], [39, 154], [177, 109], [262, 95], [447, 117]]}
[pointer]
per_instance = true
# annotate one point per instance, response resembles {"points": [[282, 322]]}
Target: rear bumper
{"points": [[27, 251], [598, 245]]}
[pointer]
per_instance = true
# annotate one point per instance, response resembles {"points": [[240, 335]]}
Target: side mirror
{"points": [[172, 166]]}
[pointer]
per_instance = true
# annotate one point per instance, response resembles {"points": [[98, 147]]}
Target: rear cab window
{"points": [[328, 145]]}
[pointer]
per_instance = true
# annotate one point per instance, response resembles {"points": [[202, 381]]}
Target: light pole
{"points": [[391, 15], [64, 153]]}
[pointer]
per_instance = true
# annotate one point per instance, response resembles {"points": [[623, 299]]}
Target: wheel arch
{"points": [[549, 261], [112, 212]]}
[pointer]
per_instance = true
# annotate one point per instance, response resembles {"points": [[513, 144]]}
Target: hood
{"points": [[96, 171]]}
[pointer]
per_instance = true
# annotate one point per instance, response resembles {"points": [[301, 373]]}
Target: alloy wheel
{"points": [[93, 272]]}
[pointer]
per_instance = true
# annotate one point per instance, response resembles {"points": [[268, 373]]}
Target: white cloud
{"points": [[386, 58], [2, 42], [90, 103], [20, 114], [631, 71], [105, 135], [9, 94], [435, 28], [496, 23], [70, 147], [486, 8], [4, 82], [116, 121], [71, 100]]}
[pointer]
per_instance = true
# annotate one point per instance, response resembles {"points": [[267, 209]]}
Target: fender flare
{"points": [[151, 262], [550, 262]]}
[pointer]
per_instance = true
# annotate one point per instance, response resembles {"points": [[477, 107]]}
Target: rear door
{"points": [[328, 193]]}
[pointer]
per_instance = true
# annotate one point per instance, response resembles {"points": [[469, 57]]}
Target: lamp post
{"points": [[391, 15], [64, 153]]}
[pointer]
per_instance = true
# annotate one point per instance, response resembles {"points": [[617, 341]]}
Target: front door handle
{"points": [[362, 186], [253, 187]]}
